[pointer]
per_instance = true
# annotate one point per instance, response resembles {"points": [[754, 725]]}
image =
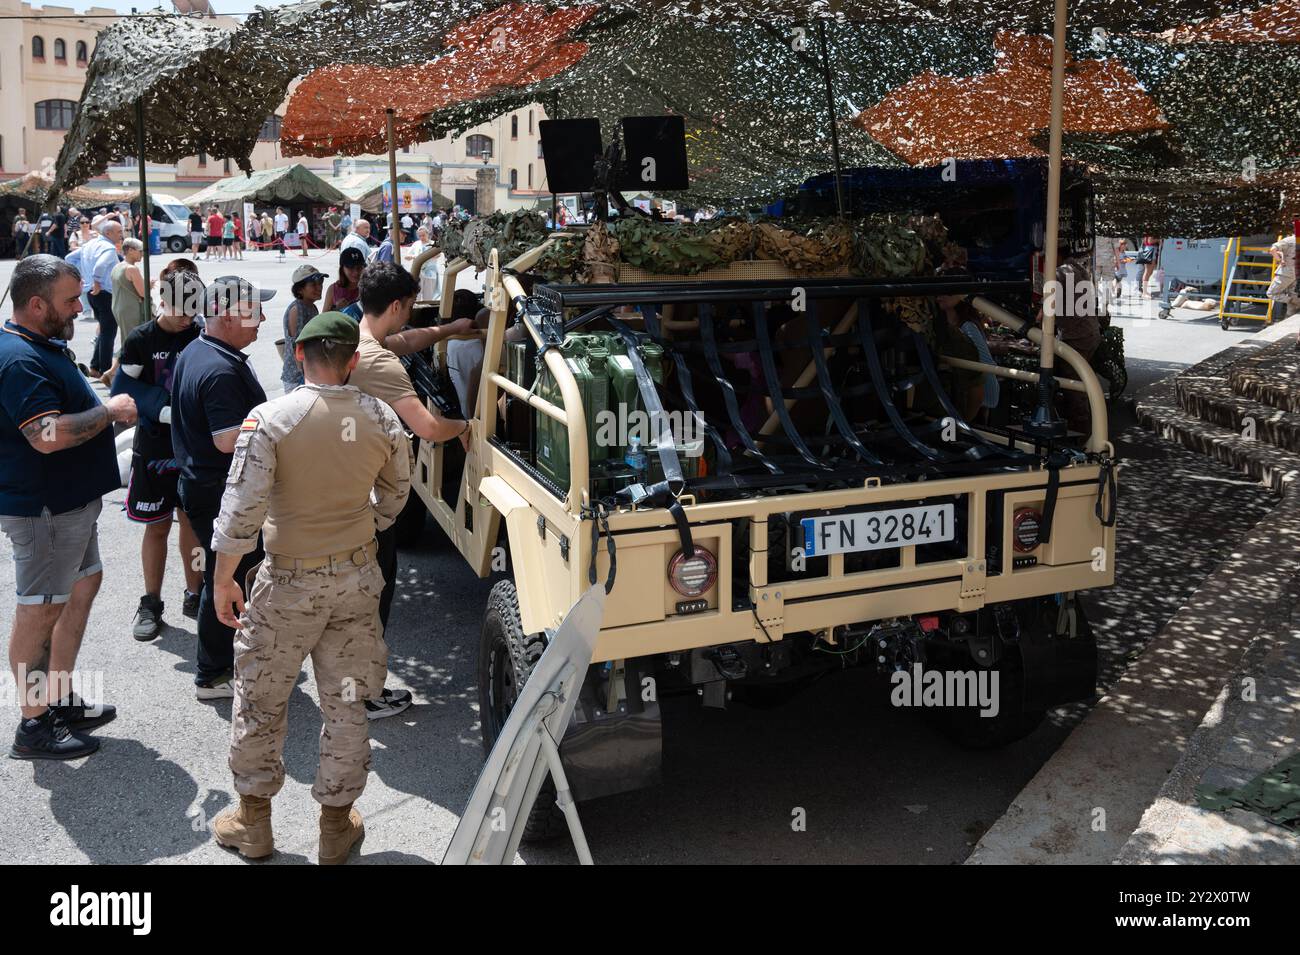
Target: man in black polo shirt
{"points": [[57, 460], [213, 390], [196, 230]]}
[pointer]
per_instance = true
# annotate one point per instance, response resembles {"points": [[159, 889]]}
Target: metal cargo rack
{"points": [[777, 455]]}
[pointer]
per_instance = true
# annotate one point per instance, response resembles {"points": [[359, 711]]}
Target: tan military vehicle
{"points": [[771, 474]]}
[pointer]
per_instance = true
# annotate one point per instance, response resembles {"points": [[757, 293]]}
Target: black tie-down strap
{"points": [[687, 384], [598, 515], [711, 356], [664, 493], [817, 345], [659, 495], [1106, 489], [1054, 463], [768, 361], [983, 447], [867, 312], [663, 436]]}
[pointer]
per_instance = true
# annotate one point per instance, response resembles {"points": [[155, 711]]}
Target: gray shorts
{"points": [[53, 551]]}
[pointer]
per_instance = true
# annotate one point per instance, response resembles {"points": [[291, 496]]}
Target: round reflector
{"points": [[1024, 529], [692, 576]]}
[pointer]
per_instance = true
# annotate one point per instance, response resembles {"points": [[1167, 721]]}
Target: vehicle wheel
{"points": [[1013, 722], [507, 656], [177, 244], [1225, 322], [410, 522], [1119, 383]]}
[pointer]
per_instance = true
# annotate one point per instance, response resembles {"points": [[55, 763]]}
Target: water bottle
{"points": [[636, 459]]}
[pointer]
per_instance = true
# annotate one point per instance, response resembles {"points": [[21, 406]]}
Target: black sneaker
{"points": [[148, 619], [76, 714], [46, 737], [390, 703], [190, 605]]}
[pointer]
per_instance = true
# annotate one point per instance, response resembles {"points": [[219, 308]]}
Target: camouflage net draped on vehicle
{"points": [[877, 247], [1207, 104]]}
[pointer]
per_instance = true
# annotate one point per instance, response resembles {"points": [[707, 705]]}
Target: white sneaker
{"points": [[390, 703], [222, 688]]}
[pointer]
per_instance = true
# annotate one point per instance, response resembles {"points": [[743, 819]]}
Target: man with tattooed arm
{"points": [[57, 460]]}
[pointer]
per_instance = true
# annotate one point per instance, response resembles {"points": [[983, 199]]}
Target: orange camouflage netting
{"points": [[1276, 23], [932, 118], [341, 109]]}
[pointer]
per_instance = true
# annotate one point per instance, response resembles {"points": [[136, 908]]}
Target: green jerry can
{"points": [[553, 437], [611, 401]]}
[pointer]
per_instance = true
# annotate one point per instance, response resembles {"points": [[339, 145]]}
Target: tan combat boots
{"points": [[246, 828], [341, 828]]}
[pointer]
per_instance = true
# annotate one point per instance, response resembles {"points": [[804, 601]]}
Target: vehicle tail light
{"points": [[1025, 527], [693, 575]]}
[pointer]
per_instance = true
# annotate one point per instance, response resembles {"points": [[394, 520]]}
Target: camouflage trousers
{"points": [[332, 615]]}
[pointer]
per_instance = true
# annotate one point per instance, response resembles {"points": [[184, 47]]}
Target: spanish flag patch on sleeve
{"points": [[250, 424]]}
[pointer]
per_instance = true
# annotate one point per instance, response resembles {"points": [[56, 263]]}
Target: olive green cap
{"points": [[332, 325]]}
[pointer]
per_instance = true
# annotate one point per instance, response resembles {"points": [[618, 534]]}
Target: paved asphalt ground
{"points": [[877, 785]]}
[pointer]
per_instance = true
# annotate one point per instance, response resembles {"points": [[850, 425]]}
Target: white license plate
{"points": [[878, 530]]}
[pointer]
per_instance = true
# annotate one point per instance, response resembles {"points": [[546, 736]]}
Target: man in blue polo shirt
{"points": [[213, 390], [57, 460]]}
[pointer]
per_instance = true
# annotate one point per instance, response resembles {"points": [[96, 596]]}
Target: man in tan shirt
{"points": [[317, 471], [387, 294]]}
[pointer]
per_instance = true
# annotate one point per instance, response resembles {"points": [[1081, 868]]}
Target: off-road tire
{"points": [[507, 656], [968, 729]]}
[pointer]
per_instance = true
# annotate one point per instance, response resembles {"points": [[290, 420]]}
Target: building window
{"points": [[478, 145], [225, 166], [55, 113], [203, 158], [81, 53], [530, 122], [530, 175], [514, 179], [60, 51], [539, 149], [38, 48], [270, 130], [514, 127]]}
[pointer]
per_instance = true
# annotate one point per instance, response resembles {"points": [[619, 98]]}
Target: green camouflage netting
{"points": [[748, 78]]}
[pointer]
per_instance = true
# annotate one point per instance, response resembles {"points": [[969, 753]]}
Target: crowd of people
{"points": [[285, 507]]}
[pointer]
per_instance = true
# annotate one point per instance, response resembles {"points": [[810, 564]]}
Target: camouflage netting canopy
{"points": [[209, 89], [1206, 108], [294, 185], [32, 192]]}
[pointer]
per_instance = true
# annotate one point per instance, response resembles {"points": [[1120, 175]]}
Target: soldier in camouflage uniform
{"points": [[303, 471]]}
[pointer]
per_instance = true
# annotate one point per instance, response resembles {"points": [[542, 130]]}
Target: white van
{"points": [[173, 217]]}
